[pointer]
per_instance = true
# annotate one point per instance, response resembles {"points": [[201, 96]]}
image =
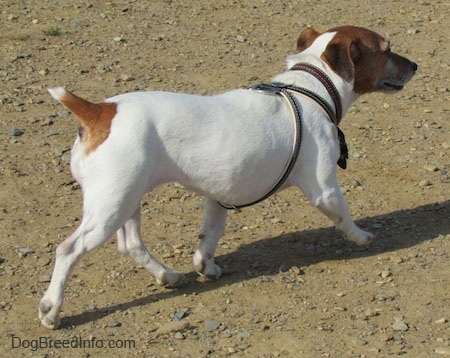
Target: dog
{"points": [[229, 147]]}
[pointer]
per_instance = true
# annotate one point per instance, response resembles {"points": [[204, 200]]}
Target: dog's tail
{"points": [[94, 118]]}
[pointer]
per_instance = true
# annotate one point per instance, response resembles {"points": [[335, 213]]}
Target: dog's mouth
{"points": [[391, 87]]}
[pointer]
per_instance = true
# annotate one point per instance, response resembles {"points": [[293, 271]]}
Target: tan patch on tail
{"points": [[94, 118]]}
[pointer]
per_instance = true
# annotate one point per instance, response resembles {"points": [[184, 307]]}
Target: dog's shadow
{"points": [[265, 257]]}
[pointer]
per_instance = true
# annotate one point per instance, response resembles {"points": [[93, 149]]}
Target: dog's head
{"points": [[360, 56]]}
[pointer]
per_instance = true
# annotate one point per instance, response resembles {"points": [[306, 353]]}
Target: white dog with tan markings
{"points": [[233, 148]]}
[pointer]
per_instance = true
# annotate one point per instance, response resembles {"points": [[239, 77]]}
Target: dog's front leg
{"points": [[333, 205], [212, 229], [319, 184]]}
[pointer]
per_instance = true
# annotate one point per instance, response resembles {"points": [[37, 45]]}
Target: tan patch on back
{"points": [[94, 118]]}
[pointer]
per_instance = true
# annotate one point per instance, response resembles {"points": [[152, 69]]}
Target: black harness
{"points": [[285, 91]]}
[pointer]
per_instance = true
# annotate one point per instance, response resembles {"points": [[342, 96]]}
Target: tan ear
{"points": [[342, 56], [305, 39]]}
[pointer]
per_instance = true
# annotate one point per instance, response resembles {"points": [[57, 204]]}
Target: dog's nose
{"points": [[414, 66]]}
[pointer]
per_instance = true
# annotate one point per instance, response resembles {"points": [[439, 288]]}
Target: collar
{"points": [[326, 82]]}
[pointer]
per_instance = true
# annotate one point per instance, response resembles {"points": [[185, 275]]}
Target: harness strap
{"points": [[335, 115], [274, 88], [325, 80]]}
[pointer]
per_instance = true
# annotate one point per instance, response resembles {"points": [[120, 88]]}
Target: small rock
{"points": [[355, 183], [399, 325], [441, 321], [25, 251], [371, 313], [360, 342], [15, 132], [296, 270], [114, 323], [385, 273], [43, 261], [211, 325], [443, 351], [424, 183], [446, 145], [243, 335], [44, 278], [179, 335], [126, 78], [173, 326], [340, 308], [430, 168], [179, 315], [240, 38]]}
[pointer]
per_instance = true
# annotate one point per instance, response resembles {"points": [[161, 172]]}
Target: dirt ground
{"points": [[293, 287]]}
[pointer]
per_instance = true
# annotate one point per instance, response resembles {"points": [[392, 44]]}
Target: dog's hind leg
{"points": [[89, 235], [212, 229], [102, 217], [129, 242]]}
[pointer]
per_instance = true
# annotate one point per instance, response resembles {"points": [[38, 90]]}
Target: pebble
{"points": [[44, 278], [355, 183], [44, 261], [114, 323], [15, 132], [399, 325], [211, 325], [430, 168], [173, 326], [371, 313], [126, 78], [179, 335], [413, 31], [25, 251], [179, 315], [424, 183], [441, 321], [443, 351], [360, 342]]}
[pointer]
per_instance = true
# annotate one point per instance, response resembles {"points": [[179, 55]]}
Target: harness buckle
{"points": [[268, 88]]}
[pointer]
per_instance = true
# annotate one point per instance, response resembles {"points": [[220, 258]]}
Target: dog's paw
{"points": [[171, 278], [47, 318], [362, 238], [211, 271]]}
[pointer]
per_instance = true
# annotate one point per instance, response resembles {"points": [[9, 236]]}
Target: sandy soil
{"points": [[292, 286]]}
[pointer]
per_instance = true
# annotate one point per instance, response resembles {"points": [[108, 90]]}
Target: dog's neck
{"points": [[296, 78], [326, 82]]}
